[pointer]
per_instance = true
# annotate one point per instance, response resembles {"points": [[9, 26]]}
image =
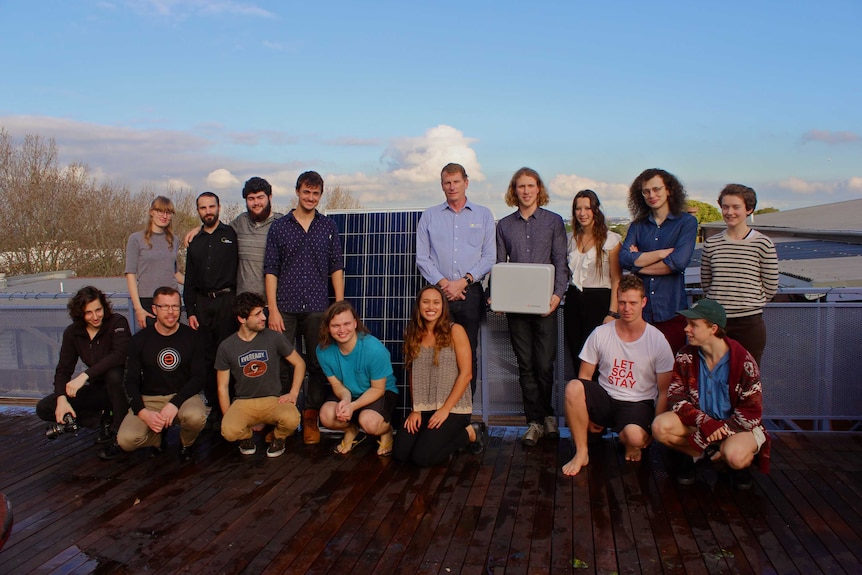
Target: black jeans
{"points": [[534, 341], [104, 393], [306, 325], [468, 313]]}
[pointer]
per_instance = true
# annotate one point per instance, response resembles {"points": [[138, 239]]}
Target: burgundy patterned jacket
{"points": [[746, 397]]}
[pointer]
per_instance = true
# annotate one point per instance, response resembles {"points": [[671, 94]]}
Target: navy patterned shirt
{"points": [[303, 262]]}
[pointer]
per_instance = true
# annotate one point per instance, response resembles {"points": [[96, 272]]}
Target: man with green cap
{"points": [[715, 400]]}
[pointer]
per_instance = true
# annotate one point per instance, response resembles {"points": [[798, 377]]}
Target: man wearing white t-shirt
{"points": [[635, 363]]}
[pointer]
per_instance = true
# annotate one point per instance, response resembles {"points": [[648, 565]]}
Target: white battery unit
{"points": [[522, 288]]}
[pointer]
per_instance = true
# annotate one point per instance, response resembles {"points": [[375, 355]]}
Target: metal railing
{"points": [[812, 366]]}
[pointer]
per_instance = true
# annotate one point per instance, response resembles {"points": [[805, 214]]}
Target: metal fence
{"points": [[812, 366]]}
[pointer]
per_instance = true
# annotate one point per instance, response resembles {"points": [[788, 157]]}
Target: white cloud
{"points": [[830, 137], [800, 186], [186, 8], [419, 160], [611, 195], [178, 184], [221, 179]]}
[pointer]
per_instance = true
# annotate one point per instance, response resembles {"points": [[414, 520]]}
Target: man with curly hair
{"points": [[658, 247]]}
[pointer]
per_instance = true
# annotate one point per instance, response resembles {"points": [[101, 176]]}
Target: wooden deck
{"points": [[507, 511]]}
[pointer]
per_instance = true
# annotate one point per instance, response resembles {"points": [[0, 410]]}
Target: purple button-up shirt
{"points": [[303, 262]]}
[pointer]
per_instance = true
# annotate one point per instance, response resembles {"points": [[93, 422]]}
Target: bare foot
{"points": [[577, 462], [349, 441], [633, 453]]}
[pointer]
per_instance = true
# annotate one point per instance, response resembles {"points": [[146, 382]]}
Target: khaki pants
{"points": [[244, 413], [134, 433]]}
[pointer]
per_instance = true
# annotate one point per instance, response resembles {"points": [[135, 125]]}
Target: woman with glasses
{"points": [[438, 358], [151, 260], [594, 265]]}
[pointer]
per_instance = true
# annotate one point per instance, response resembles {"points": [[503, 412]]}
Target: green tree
{"points": [[766, 210], [705, 212]]}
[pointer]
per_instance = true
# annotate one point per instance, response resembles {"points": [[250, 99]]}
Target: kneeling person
{"points": [[359, 368], [634, 361], [716, 400], [252, 355], [165, 374]]}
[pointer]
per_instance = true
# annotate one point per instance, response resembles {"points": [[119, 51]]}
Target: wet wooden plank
{"points": [[510, 510]]}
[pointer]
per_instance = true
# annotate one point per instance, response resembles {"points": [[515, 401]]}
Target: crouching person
{"points": [[715, 398], [100, 339], [634, 361], [359, 368], [252, 355], [165, 374]]}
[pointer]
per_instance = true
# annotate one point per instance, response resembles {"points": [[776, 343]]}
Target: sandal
{"points": [[385, 444], [346, 446]]}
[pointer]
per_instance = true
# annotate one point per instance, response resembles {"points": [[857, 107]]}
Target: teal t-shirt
{"points": [[368, 361]]}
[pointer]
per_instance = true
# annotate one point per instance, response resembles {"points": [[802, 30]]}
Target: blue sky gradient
{"points": [[378, 96]]}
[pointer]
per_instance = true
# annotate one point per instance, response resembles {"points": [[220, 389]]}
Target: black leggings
{"points": [[429, 447], [584, 311]]}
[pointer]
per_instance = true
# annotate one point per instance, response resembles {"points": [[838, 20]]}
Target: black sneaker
{"points": [[187, 452], [247, 446], [106, 434], [276, 448], [686, 472], [478, 446], [741, 479], [111, 452]]}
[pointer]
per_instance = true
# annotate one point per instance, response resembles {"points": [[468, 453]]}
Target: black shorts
{"points": [[609, 412], [385, 406]]}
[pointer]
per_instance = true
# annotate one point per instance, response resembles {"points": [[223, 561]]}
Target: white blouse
{"points": [[582, 266]]}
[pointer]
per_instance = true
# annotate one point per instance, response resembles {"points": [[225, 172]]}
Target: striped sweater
{"points": [[741, 275]]}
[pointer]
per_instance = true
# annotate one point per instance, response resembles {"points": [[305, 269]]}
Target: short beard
{"points": [[263, 215]]}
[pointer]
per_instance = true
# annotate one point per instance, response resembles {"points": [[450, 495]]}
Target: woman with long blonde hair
{"points": [[594, 266], [151, 259], [438, 358]]}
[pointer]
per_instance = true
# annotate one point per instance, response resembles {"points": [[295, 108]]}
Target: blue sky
{"points": [[378, 96]]}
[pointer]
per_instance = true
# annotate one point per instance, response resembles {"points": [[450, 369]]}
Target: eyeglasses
{"points": [[647, 191], [167, 307], [163, 212]]}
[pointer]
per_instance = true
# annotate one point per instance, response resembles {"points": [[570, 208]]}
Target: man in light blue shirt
{"points": [[455, 249]]}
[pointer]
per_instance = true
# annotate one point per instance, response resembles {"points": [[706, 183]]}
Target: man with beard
{"points": [[251, 228], [252, 356], [303, 254], [210, 288]]}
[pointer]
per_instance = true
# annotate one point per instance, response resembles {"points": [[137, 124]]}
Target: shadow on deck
{"points": [[508, 511]]}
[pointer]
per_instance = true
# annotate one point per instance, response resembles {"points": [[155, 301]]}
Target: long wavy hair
{"points": [[512, 194], [600, 227], [160, 203], [418, 326], [676, 196]]}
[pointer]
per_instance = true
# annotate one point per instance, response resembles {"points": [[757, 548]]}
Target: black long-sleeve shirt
{"points": [[102, 353], [164, 364], [211, 263]]}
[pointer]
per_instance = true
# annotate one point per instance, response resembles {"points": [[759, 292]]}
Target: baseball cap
{"points": [[707, 309]]}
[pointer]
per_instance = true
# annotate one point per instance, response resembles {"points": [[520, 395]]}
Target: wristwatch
{"points": [[614, 314], [468, 279]]}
